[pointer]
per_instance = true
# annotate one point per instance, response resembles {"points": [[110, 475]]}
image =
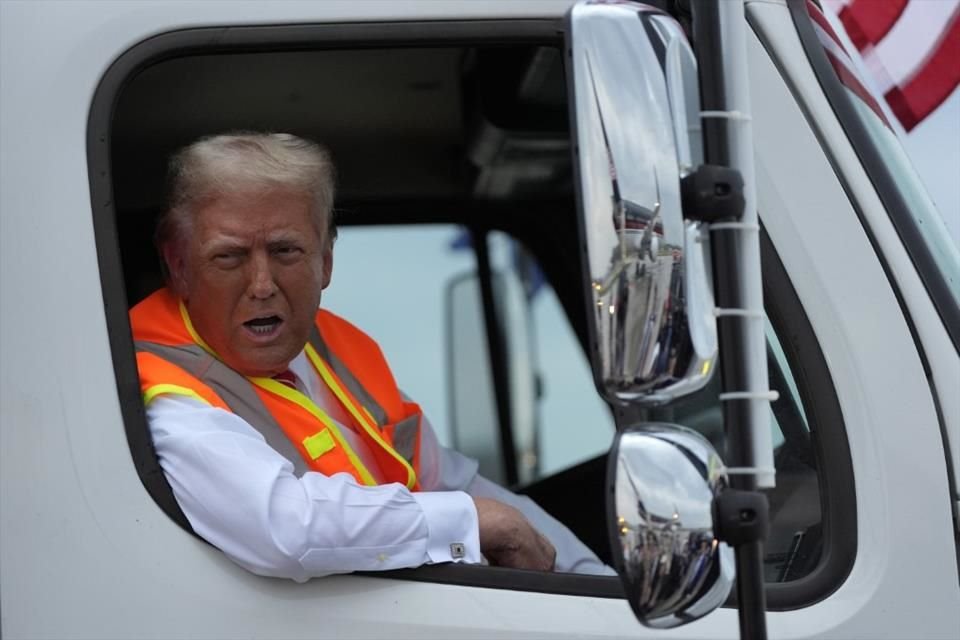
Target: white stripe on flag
{"points": [[831, 45], [836, 5], [911, 41]]}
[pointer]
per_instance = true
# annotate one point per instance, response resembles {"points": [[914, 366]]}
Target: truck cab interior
{"points": [[462, 127]]}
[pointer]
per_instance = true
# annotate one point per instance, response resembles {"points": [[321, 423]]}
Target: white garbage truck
{"points": [[665, 267]]}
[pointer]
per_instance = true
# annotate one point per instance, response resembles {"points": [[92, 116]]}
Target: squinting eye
{"points": [[226, 259]]}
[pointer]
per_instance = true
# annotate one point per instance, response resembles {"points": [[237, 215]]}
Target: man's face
{"points": [[250, 274]]}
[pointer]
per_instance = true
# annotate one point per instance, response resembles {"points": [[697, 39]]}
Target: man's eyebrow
{"points": [[279, 237], [223, 243]]}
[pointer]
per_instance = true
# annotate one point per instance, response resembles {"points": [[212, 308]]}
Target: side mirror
{"points": [[653, 336], [664, 479], [633, 77]]}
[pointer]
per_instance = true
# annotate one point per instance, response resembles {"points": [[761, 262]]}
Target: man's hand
{"points": [[507, 539]]}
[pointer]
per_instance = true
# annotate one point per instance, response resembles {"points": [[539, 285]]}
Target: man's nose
{"points": [[262, 283]]}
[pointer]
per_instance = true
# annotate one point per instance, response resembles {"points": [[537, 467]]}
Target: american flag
{"points": [[910, 48]]}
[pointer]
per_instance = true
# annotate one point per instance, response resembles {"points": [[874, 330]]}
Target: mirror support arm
{"points": [[730, 293], [712, 193], [741, 517]]}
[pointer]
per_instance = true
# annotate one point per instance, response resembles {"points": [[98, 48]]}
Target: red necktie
{"points": [[288, 378]]}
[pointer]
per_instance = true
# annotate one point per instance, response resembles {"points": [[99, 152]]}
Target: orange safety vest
{"points": [[173, 359]]}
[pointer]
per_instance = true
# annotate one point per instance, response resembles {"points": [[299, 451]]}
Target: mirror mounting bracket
{"points": [[740, 517], [712, 193]]}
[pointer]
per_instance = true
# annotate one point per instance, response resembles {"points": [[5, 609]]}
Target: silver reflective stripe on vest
{"points": [[235, 390], [405, 436], [349, 381]]}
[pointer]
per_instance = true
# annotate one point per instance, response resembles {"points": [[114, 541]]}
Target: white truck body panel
{"points": [[86, 553], [930, 330], [873, 361]]}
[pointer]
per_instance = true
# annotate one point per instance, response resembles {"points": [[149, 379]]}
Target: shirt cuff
{"points": [[453, 531]]}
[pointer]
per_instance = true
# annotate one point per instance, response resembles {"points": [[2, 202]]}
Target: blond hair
{"points": [[245, 162]]}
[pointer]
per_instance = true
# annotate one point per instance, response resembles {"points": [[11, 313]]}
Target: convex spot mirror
{"points": [[635, 121], [663, 481]]}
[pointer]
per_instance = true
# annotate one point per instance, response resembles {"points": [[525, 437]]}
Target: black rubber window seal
{"points": [[828, 435]]}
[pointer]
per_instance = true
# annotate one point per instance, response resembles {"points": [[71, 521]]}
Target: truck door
{"points": [[441, 117]]}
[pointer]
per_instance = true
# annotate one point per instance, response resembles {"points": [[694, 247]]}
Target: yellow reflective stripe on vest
{"points": [[363, 420], [303, 401], [193, 332], [319, 443], [347, 379], [161, 389]]}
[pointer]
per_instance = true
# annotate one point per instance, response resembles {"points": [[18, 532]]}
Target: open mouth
{"points": [[264, 326]]}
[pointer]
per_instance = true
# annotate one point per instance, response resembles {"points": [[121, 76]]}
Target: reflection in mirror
{"points": [[634, 82], [673, 568], [684, 93]]}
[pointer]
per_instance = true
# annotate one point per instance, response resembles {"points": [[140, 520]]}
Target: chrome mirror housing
{"points": [[636, 114], [660, 513]]}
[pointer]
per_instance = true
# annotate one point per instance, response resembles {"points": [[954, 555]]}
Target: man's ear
{"points": [[327, 266], [176, 268]]}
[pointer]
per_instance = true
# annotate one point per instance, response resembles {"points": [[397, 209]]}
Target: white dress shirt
{"points": [[243, 497]]}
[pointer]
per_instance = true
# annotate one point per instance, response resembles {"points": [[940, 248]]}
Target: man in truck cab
{"points": [[279, 426]]}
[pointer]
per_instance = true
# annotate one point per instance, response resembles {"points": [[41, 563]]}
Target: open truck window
{"points": [[453, 135], [558, 430]]}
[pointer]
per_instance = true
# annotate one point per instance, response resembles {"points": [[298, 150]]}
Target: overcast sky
{"points": [[934, 147]]}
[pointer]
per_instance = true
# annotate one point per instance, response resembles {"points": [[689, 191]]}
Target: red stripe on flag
{"points": [[821, 20], [850, 80], [868, 21], [938, 76]]}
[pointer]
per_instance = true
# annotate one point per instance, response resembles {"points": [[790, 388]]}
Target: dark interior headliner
{"points": [[402, 123]]}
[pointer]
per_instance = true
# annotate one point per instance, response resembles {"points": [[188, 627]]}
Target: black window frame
{"points": [[814, 381]]}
